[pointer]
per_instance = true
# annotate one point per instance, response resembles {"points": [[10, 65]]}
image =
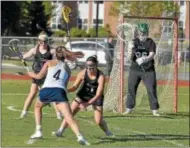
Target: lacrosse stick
{"points": [[13, 46], [126, 33], [65, 14]]}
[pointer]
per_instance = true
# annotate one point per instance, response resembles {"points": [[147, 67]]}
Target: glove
{"points": [[141, 60]]}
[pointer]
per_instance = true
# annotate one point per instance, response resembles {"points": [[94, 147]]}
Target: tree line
{"points": [[25, 18]]}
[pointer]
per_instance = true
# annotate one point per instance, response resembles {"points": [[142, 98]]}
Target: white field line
{"points": [[12, 108], [14, 94]]}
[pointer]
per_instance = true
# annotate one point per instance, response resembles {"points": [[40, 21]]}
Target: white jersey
{"points": [[57, 76]]}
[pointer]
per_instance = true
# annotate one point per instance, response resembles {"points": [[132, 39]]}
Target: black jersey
{"points": [[89, 87], [40, 59], [143, 49]]}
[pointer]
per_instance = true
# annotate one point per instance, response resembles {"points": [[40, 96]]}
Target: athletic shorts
{"points": [[48, 95], [98, 102]]}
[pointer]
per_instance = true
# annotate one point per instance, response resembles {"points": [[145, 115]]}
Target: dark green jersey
{"points": [[40, 59], [143, 49]]}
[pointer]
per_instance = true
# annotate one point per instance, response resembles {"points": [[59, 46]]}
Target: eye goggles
{"points": [[42, 42], [90, 66]]}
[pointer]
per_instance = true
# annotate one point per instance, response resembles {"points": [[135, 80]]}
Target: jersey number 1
{"points": [[57, 74]]}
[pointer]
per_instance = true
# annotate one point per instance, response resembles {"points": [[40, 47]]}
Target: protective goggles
{"points": [[90, 66], [42, 42]]}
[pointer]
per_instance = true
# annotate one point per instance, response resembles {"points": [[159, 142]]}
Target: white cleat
{"points": [[155, 113], [82, 141], [36, 135], [110, 134], [128, 111], [57, 133]]}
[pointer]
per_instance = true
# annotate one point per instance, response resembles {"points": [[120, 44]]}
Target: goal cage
{"points": [[163, 30]]}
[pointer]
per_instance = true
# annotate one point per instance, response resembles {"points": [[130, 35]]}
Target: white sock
{"points": [[24, 112], [58, 114], [79, 135], [38, 127], [62, 129]]}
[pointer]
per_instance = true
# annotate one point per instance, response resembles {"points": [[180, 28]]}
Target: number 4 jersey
{"points": [[143, 49], [57, 76]]}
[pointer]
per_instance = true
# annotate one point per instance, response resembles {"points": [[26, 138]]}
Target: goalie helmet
{"points": [[143, 30]]}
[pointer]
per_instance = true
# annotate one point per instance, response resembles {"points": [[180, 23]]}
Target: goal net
{"points": [[162, 31]]}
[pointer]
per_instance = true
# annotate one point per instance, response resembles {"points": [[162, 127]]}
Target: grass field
{"points": [[135, 130]]}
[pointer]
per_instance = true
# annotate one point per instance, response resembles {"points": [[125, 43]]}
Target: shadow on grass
{"points": [[141, 137], [149, 115]]}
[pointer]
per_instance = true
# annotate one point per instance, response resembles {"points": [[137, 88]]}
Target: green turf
{"points": [[140, 129]]}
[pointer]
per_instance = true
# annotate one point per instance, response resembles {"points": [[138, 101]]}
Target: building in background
{"points": [[87, 15], [84, 15]]}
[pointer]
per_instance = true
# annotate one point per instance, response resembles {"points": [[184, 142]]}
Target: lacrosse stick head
{"points": [[66, 13], [13, 43], [126, 32]]}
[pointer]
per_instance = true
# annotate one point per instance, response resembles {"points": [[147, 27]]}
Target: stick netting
{"points": [[162, 32]]}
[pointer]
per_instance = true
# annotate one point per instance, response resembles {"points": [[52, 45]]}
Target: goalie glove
{"points": [[141, 60]]}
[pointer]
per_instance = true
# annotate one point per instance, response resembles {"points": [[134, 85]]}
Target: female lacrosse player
{"points": [[142, 68], [54, 90], [42, 52], [92, 82]]}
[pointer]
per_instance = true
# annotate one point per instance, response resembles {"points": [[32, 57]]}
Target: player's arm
{"points": [[30, 53], [42, 72], [100, 89], [77, 82]]}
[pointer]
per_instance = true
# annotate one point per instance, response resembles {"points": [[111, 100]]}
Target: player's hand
{"points": [[141, 60], [83, 105]]}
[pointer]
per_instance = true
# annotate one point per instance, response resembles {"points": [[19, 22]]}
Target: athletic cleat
{"points": [[57, 133], [110, 134], [128, 111], [36, 135], [82, 141], [155, 113]]}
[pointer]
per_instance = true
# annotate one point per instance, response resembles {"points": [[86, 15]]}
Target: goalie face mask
{"points": [[142, 36]]}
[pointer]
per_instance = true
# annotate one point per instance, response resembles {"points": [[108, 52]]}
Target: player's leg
{"points": [[74, 108], [38, 118], [65, 109], [151, 86], [133, 82], [29, 99], [98, 117], [58, 113]]}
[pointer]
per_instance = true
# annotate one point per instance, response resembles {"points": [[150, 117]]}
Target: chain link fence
{"points": [[26, 43]]}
